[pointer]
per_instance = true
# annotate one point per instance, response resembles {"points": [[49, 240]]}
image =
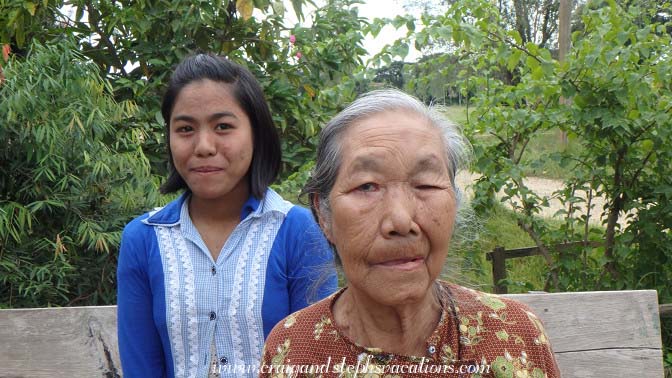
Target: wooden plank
{"points": [[594, 334], [666, 310], [611, 363], [513, 253], [533, 251], [597, 320], [59, 342], [499, 271], [602, 334]]}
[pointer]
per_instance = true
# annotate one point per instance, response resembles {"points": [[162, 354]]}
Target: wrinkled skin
{"points": [[392, 209]]}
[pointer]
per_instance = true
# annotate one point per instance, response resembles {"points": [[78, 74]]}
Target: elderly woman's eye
{"points": [[426, 187], [368, 187]]}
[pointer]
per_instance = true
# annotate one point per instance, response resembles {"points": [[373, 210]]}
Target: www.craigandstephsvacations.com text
{"points": [[363, 366]]}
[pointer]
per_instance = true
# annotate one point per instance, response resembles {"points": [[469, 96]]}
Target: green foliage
{"points": [[71, 175], [622, 106], [543, 151], [86, 141], [617, 117], [433, 78], [24, 20], [291, 187], [391, 75], [498, 228], [617, 80], [136, 44]]}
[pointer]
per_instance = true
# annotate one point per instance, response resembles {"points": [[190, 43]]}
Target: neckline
{"points": [[449, 314]]}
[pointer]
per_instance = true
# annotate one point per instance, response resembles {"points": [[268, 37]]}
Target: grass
{"points": [[538, 159], [467, 264], [457, 113]]}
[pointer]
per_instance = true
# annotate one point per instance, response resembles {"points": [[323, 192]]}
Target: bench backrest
{"points": [[594, 334], [602, 333]]}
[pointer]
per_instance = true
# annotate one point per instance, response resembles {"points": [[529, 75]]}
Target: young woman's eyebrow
{"points": [[213, 117]]}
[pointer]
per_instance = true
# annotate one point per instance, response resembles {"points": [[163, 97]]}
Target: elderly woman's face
{"points": [[393, 207]]}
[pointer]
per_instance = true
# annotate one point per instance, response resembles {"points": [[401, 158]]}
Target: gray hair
{"points": [[328, 161]]}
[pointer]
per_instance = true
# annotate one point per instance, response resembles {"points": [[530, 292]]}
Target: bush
{"points": [[72, 173]]}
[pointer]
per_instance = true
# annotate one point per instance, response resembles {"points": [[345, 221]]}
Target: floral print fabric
{"points": [[479, 335]]}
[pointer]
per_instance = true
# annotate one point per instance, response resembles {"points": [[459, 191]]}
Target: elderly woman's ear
{"points": [[322, 219]]}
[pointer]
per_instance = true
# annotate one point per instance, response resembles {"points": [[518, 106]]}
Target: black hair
{"points": [[267, 154]]}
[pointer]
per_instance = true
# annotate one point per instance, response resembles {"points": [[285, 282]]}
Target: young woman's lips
{"points": [[403, 264], [206, 169]]}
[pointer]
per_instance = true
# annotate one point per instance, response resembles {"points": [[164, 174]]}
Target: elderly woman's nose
{"points": [[399, 209]]}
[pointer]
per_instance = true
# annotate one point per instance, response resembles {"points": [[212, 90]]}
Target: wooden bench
{"points": [[594, 334], [602, 333]]}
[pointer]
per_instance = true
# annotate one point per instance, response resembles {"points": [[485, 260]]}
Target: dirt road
{"points": [[543, 187]]}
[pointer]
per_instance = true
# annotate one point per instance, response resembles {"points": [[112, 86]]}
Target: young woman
{"points": [[203, 280]]}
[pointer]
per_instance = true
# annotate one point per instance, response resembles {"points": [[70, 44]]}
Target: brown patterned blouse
{"points": [[479, 335]]}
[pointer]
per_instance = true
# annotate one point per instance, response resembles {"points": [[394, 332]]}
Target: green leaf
{"points": [[398, 22], [245, 8], [20, 33], [410, 25], [297, 5], [30, 7], [278, 7], [375, 27], [400, 49], [513, 60]]}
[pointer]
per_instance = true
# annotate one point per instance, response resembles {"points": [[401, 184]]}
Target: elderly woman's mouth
{"points": [[403, 264]]}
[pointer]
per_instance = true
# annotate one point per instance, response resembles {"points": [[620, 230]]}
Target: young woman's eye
{"points": [[184, 129], [223, 126], [368, 187]]}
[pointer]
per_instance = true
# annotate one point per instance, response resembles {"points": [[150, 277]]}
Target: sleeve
{"points": [[265, 364], [550, 364], [311, 271], [140, 345], [545, 356]]}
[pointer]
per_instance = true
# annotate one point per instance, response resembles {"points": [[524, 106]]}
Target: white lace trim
{"points": [[254, 334], [236, 334], [173, 313], [190, 302], [175, 255]]}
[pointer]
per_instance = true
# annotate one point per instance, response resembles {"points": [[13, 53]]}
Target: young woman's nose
{"points": [[205, 143]]}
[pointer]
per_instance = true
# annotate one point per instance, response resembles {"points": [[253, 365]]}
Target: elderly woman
{"points": [[383, 191]]}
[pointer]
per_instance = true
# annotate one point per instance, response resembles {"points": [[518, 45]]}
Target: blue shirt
{"points": [[173, 298]]}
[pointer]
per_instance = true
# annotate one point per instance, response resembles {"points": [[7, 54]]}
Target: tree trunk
{"points": [[564, 19], [614, 210], [522, 20]]}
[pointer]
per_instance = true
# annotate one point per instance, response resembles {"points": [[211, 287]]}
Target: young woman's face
{"points": [[211, 140]]}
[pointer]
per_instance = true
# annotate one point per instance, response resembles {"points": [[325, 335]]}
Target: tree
{"points": [[534, 20], [618, 78], [392, 75], [308, 73], [71, 174], [434, 78], [136, 43]]}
